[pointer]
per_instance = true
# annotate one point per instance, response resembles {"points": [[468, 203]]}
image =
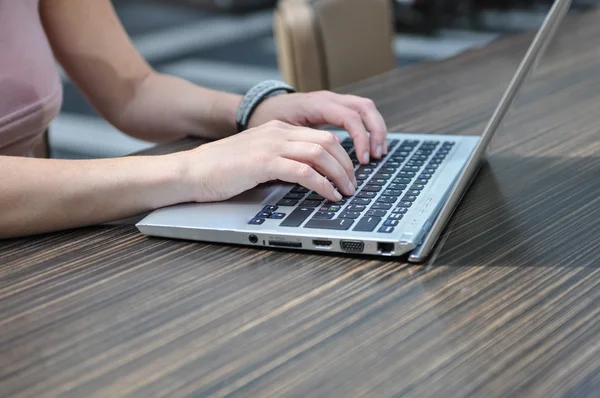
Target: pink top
{"points": [[30, 87]]}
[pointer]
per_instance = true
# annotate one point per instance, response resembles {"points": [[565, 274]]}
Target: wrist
{"points": [[255, 97], [167, 176], [224, 112]]}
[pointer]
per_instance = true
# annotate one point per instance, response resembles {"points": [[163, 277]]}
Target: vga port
{"points": [[352, 246]]}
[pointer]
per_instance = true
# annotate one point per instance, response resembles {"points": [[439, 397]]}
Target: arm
{"points": [[42, 195], [93, 48], [96, 52]]}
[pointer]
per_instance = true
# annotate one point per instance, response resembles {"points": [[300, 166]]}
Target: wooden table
{"points": [[508, 305]]}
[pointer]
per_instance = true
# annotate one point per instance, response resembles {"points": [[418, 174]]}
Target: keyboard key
{"points": [[413, 192], [277, 216], [339, 224], [386, 230], [355, 208], [365, 170], [297, 217], [350, 214], [371, 188], [435, 161], [263, 214], [434, 143], [362, 176], [395, 216], [294, 196], [405, 204], [390, 223], [383, 176], [417, 187], [421, 181], [424, 176], [397, 186], [411, 168], [300, 189], [369, 195], [381, 206], [429, 171], [270, 208], [361, 201], [333, 208], [338, 203], [387, 199], [324, 215], [387, 170], [378, 181], [390, 163], [287, 202], [376, 213], [392, 144], [407, 174], [400, 210], [392, 192], [315, 196], [256, 221], [402, 153], [311, 203], [402, 180], [367, 224], [415, 163], [409, 198], [419, 158]]}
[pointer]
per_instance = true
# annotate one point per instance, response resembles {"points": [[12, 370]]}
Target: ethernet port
{"points": [[385, 248]]}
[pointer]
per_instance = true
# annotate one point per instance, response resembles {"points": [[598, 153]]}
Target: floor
{"points": [[225, 52]]}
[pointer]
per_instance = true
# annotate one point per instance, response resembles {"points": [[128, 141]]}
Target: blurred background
{"points": [[230, 45]]}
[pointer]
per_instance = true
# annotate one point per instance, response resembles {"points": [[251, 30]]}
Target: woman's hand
{"points": [[357, 115], [273, 151]]}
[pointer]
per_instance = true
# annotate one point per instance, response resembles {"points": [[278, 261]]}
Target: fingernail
{"points": [[366, 157], [351, 188], [338, 196], [378, 151], [355, 182], [386, 148]]}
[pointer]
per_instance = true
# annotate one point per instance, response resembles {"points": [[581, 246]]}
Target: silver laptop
{"points": [[402, 204]]}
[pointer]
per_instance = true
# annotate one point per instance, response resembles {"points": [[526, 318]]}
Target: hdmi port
{"points": [[322, 243]]}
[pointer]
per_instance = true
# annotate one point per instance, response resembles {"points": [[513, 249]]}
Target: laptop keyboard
{"points": [[386, 190]]}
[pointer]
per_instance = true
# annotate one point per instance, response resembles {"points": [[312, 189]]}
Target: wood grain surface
{"points": [[508, 305]]}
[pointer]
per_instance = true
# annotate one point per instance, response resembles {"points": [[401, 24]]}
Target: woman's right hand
{"points": [[273, 151]]}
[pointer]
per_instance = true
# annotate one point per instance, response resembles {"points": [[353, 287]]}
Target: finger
{"points": [[330, 112], [371, 117], [321, 160], [289, 170], [329, 141]]}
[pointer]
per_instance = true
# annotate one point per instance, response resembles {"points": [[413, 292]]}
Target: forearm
{"points": [[166, 107], [42, 195]]}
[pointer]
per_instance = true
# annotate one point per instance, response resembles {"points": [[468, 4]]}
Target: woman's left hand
{"points": [[357, 115]]}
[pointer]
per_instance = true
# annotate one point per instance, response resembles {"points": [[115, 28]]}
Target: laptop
{"points": [[401, 206]]}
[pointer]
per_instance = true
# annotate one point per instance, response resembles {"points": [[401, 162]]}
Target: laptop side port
{"points": [[322, 243], [385, 248], [352, 246]]}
